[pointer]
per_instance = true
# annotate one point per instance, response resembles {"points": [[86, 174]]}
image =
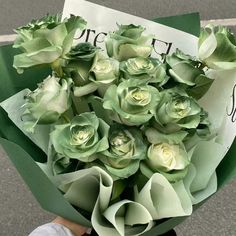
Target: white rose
{"points": [[166, 157]]}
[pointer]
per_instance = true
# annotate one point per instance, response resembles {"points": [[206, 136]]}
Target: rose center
{"points": [[81, 136], [164, 155], [182, 107], [103, 66], [139, 65], [120, 143], [141, 96], [167, 154]]}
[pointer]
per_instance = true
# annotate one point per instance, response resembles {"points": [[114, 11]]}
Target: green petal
{"points": [[219, 46], [127, 51], [207, 46], [35, 44], [184, 73], [46, 55], [190, 122], [75, 22], [22, 61], [55, 36], [84, 119], [131, 169], [155, 137], [68, 41]]}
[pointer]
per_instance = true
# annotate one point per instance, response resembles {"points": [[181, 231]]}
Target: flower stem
{"points": [[65, 118], [56, 67]]}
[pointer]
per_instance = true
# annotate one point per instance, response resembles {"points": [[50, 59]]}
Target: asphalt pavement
{"points": [[19, 211]]}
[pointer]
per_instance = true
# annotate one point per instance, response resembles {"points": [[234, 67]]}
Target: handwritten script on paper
{"points": [[101, 20], [232, 112], [98, 39]]}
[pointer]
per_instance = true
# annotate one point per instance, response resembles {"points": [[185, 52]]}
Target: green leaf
{"points": [[118, 188], [202, 85]]}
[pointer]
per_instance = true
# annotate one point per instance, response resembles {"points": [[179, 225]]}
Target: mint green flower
{"points": [[217, 47], [184, 69], [79, 62], [104, 71], [126, 149], [128, 42], [188, 72], [44, 41], [167, 154], [144, 69], [131, 102], [48, 102], [176, 110], [82, 51], [95, 74], [81, 139]]}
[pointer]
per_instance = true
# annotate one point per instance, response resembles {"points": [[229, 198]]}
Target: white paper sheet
{"points": [[220, 101], [102, 20]]}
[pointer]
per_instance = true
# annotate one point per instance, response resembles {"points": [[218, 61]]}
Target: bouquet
{"points": [[122, 132]]}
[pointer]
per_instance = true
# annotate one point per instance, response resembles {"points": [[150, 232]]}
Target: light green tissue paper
{"points": [[14, 108], [128, 213], [82, 188], [201, 180], [206, 157], [200, 195], [164, 200]]}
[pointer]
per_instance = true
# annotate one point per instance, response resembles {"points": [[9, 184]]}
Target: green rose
{"points": [[187, 71], [81, 139], [48, 102], [145, 69], [104, 71], [131, 102], [177, 110], [217, 47], [79, 62], [82, 51], [126, 149], [167, 154], [127, 42], [166, 157], [46, 40], [184, 69]]}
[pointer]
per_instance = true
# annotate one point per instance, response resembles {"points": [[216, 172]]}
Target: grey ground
{"points": [[19, 212]]}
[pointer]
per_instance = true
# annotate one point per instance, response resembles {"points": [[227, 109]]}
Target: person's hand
{"points": [[75, 228]]}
